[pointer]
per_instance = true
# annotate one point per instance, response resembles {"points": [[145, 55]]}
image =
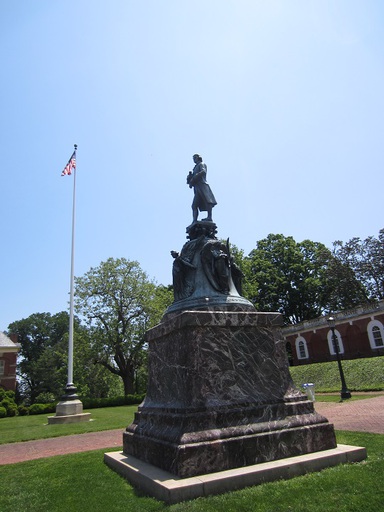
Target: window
{"points": [[288, 348], [2, 367], [331, 343], [301, 348], [375, 334]]}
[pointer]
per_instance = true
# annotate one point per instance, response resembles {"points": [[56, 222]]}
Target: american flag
{"points": [[67, 171]]}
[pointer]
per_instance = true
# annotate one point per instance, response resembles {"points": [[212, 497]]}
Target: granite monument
{"points": [[220, 395]]}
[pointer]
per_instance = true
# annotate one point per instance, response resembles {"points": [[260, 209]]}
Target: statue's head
{"points": [[197, 158]]}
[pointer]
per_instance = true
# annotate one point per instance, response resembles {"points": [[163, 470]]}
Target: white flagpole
{"points": [[70, 386], [70, 408]]}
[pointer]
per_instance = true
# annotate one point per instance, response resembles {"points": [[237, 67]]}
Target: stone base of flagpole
{"points": [[69, 409]]}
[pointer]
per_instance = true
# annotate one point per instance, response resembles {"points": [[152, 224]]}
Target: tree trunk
{"points": [[128, 382]]}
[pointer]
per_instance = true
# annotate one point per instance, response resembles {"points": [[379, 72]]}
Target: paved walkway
{"points": [[29, 450], [361, 415]]}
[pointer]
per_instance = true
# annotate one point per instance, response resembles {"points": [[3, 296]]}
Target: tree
{"points": [[300, 280], [341, 288], [43, 358], [38, 335], [366, 258], [120, 303]]}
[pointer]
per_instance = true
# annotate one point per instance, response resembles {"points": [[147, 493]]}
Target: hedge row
{"points": [[9, 408], [94, 403]]}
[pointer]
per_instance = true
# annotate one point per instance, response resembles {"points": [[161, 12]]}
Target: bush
{"points": [[45, 398], [11, 409], [93, 403], [7, 394], [7, 401], [23, 410], [10, 406], [41, 408], [10, 394]]}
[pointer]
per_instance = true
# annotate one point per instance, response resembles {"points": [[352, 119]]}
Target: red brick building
{"points": [[359, 331], [8, 356]]}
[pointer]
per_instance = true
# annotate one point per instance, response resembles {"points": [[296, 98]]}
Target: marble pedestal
{"points": [[69, 411], [220, 397]]}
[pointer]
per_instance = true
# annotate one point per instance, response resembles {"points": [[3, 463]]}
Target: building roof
{"points": [[7, 343], [366, 310]]}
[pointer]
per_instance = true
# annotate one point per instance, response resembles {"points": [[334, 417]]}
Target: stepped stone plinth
{"points": [[220, 400], [220, 396]]}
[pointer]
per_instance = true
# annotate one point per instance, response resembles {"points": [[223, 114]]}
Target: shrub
{"points": [[45, 398], [93, 403], [7, 394], [7, 401], [23, 410], [10, 406], [41, 408], [3, 412]]}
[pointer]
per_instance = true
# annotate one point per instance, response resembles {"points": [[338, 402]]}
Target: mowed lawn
{"points": [[27, 428], [82, 482]]}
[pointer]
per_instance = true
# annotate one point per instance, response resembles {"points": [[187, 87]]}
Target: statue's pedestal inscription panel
{"points": [[220, 396]]}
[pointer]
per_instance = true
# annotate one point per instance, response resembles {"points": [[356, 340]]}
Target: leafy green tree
{"points": [[163, 297], [301, 280], [286, 277], [91, 379], [37, 334], [43, 358], [366, 258], [120, 303], [342, 289]]}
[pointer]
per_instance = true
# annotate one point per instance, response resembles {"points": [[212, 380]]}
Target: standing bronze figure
{"points": [[204, 200]]}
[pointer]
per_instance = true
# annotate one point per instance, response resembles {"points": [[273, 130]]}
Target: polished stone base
{"points": [[220, 397], [69, 411], [172, 489]]}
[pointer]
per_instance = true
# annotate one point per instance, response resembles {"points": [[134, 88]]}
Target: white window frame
{"points": [[332, 351], [299, 340], [370, 326]]}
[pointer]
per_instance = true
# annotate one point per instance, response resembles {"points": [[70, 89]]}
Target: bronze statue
{"points": [[204, 272], [204, 200]]}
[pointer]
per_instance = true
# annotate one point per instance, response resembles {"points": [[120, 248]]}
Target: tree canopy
{"points": [[119, 303], [301, 280], [366, 259], [43, 357]]}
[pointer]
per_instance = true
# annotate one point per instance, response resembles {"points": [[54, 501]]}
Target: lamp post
{"points": [[345, 393]]}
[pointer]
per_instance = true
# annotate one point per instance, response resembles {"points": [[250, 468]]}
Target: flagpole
{"points": [[70, 389], [70, 408]]}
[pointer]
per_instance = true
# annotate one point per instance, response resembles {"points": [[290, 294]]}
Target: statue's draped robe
{"points": [[204, 199]]}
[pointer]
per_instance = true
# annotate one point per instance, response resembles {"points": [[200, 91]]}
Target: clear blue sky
{"points": [[283, 99]]}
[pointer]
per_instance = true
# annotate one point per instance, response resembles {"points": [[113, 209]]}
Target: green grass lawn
{"points": [[336, 397], [27, 428], [82, 482], [360, 375]]}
